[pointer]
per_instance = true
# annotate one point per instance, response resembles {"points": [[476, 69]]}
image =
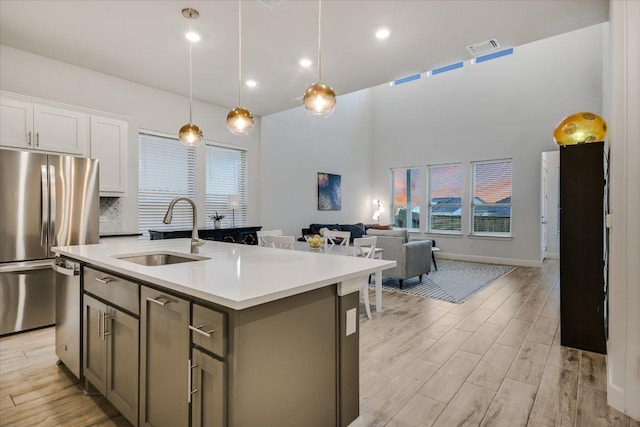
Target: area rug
{"points": [[455, 281]]}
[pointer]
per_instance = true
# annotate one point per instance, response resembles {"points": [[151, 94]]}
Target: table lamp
{"points": [[233, 203]]}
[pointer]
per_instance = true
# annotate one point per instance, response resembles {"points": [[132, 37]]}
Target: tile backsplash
{"points": [[110, 215]]}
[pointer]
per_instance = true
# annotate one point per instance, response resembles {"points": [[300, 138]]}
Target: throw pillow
{"points": [[382, 227]]}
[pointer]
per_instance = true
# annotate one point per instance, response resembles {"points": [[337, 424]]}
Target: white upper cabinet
{"points": [[109, 145], [24, 124], [16, 123], [60, 131]]}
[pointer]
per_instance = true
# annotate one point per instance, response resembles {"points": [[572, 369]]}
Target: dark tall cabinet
{"points": [[582, 184]]}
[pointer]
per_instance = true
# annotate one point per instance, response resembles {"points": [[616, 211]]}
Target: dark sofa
{"points": [[356, 230]]}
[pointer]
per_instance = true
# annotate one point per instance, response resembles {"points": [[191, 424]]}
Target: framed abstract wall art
{"points": [[329, 194]]}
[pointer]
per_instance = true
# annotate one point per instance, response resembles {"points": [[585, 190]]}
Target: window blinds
{"points": [[491, 203], [445, 197], [226, 174], [166, 169]]}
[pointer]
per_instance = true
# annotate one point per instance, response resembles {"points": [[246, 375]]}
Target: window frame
{"points": [[241, 213], [472, 203], [429, 229], [408, 207], [182, 213]]}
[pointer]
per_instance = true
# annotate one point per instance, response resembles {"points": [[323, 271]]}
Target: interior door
{"points": [[23, 206], [543, 207]]}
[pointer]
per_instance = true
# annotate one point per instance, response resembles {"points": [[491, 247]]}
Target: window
{"points": [[445, 197], [491, 202], [166, 169], [226, 175], [406, 197]]}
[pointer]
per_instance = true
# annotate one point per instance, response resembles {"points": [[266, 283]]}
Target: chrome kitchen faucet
{"points": [[195, 240]]}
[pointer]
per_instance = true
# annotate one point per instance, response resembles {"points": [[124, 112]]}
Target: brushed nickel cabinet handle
{"points": [[105, 318], [190, 382], [100, 324], [162, 303], [29, 138], [106, 280], [37, 139], [200, 331]]}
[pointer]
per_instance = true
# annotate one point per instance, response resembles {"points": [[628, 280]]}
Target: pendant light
{"points": [[319, 99], [240, 120], [190, 134]]}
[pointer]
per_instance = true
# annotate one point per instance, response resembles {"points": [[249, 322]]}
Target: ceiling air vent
{"points": [[271, 4], [483, 47]]}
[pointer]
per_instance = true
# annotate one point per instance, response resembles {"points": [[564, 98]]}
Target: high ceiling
{"points": [[143, 41]]}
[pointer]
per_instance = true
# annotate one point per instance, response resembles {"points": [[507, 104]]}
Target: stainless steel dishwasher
{"points": [[68, 311]]}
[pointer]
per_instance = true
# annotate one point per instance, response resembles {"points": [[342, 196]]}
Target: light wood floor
{"points": [[494, 360]]}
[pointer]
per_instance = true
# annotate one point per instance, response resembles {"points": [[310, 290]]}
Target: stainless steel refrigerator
{"points": [[45, 200]]}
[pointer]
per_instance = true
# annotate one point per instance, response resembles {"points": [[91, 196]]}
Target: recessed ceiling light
{"points": [[193, 37], [305, 62], [382, 33], [251, 83]]}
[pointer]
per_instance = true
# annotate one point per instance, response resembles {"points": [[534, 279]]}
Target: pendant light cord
{"points": [[239, 50], [190, 74], [319, 40]]}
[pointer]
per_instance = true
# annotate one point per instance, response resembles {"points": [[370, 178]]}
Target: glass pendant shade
{"points": [[580, 128], [190, 135], [319, 100], [240, 121]]}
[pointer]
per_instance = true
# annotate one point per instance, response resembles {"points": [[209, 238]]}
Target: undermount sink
{"points": [[160, 258]]}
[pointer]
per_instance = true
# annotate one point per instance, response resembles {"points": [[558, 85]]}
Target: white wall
{"points": [[295, 147], [503, 108], [148, 108], [623, 346]]}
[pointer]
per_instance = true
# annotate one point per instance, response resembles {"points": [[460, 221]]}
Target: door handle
{"points": [[29, 138], [37, 139], [44, 205], [106, 280], [66, 271], [52, 203]]}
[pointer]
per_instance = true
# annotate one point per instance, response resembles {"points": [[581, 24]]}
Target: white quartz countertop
{"points": [[234, 276]]}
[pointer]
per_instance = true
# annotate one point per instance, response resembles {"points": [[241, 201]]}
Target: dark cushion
{"points": [[315, 228], [356, 230]]}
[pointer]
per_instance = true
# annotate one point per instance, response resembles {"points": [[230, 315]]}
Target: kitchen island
{"points": [[243, 335]]}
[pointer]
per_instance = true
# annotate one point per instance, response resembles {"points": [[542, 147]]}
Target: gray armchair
{"points": [[413, 257]]}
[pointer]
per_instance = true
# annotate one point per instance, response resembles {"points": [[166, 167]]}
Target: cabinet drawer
{"points": [[208, 322], [115, 290]]}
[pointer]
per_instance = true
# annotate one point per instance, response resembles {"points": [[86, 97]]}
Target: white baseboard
{"points": [[490, 260], [552, 255]]}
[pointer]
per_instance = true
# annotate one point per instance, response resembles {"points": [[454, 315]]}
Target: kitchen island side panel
{"points": [[282, 362]]}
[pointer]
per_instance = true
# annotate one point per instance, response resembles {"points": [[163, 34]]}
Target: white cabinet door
{"points": [[16, 123], [109, 145], [60, 130]]}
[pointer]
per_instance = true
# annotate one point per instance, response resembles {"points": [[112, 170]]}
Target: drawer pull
{"points": [[106, 280], [200, 331], [162, 303]]}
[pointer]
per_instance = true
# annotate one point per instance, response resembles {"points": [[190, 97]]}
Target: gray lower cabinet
{"points": [[111, 355], [165, 367], [208, 390]]}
